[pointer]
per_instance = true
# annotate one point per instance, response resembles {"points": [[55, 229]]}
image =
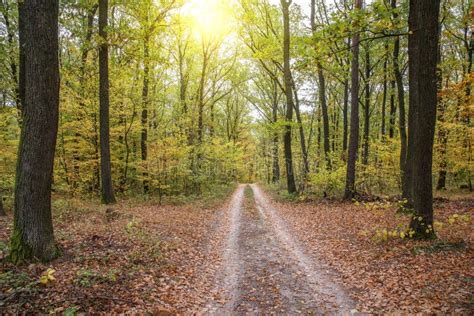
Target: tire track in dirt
{"points": [[225, 292], [264, 270], [329, 296]]}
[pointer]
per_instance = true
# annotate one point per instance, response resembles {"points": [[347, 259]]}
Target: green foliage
{"points": [[14, 279], [72, 310], [88, 277], [329, 182], [248, 193], [3, 250]]}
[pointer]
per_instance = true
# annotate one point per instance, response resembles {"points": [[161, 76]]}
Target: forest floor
{"points": [[248, 253]]}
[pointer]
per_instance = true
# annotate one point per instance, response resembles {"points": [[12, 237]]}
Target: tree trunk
{"points": [[324, 109], [33, 235], [422, 58], [365, 157], [144, 116], [290, 177], [393, 110], [346, 109], [2, 210], [384, 95], [275, 148], [76, 157], [22, 60], [12, 56], [345, 120], [443, 141], [466, 118], [401, 109], [202, 82], [350, 190], [105, 168], [322, 94], [304, 152], [442, 130]]}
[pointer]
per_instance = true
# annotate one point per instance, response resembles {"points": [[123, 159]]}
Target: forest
{"points": [[286, 157]]}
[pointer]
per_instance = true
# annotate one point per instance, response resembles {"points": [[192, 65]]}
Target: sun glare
{"points": [[209, 18]]}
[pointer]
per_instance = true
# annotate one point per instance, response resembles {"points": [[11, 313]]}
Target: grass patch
{"points": [[248, 192], [208, 198]]}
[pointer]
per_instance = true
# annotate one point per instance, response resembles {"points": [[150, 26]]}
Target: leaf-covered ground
{"points": [[385, 273], [135, 259], [165, 259]]}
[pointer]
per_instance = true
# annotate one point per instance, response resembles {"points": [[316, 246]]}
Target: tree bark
{"points": [[33, 235], [350, 190], [290, 177], [422, 58], [107, 194]]}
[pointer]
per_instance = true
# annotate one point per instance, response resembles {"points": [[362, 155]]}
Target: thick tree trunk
{"points": [[107, 194], [350, 190], [33, 235], [144, 116], [401, 109], [365, 157], [290, 177], [423, 56]]}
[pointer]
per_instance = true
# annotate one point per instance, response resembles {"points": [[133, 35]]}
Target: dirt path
{"points": [[264, 270]]}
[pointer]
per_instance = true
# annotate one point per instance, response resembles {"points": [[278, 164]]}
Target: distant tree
{"points": [[33, 235], [290, 177], [422, 59], [401, 104], [350, 190], [107, 191], [322, 92]]}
